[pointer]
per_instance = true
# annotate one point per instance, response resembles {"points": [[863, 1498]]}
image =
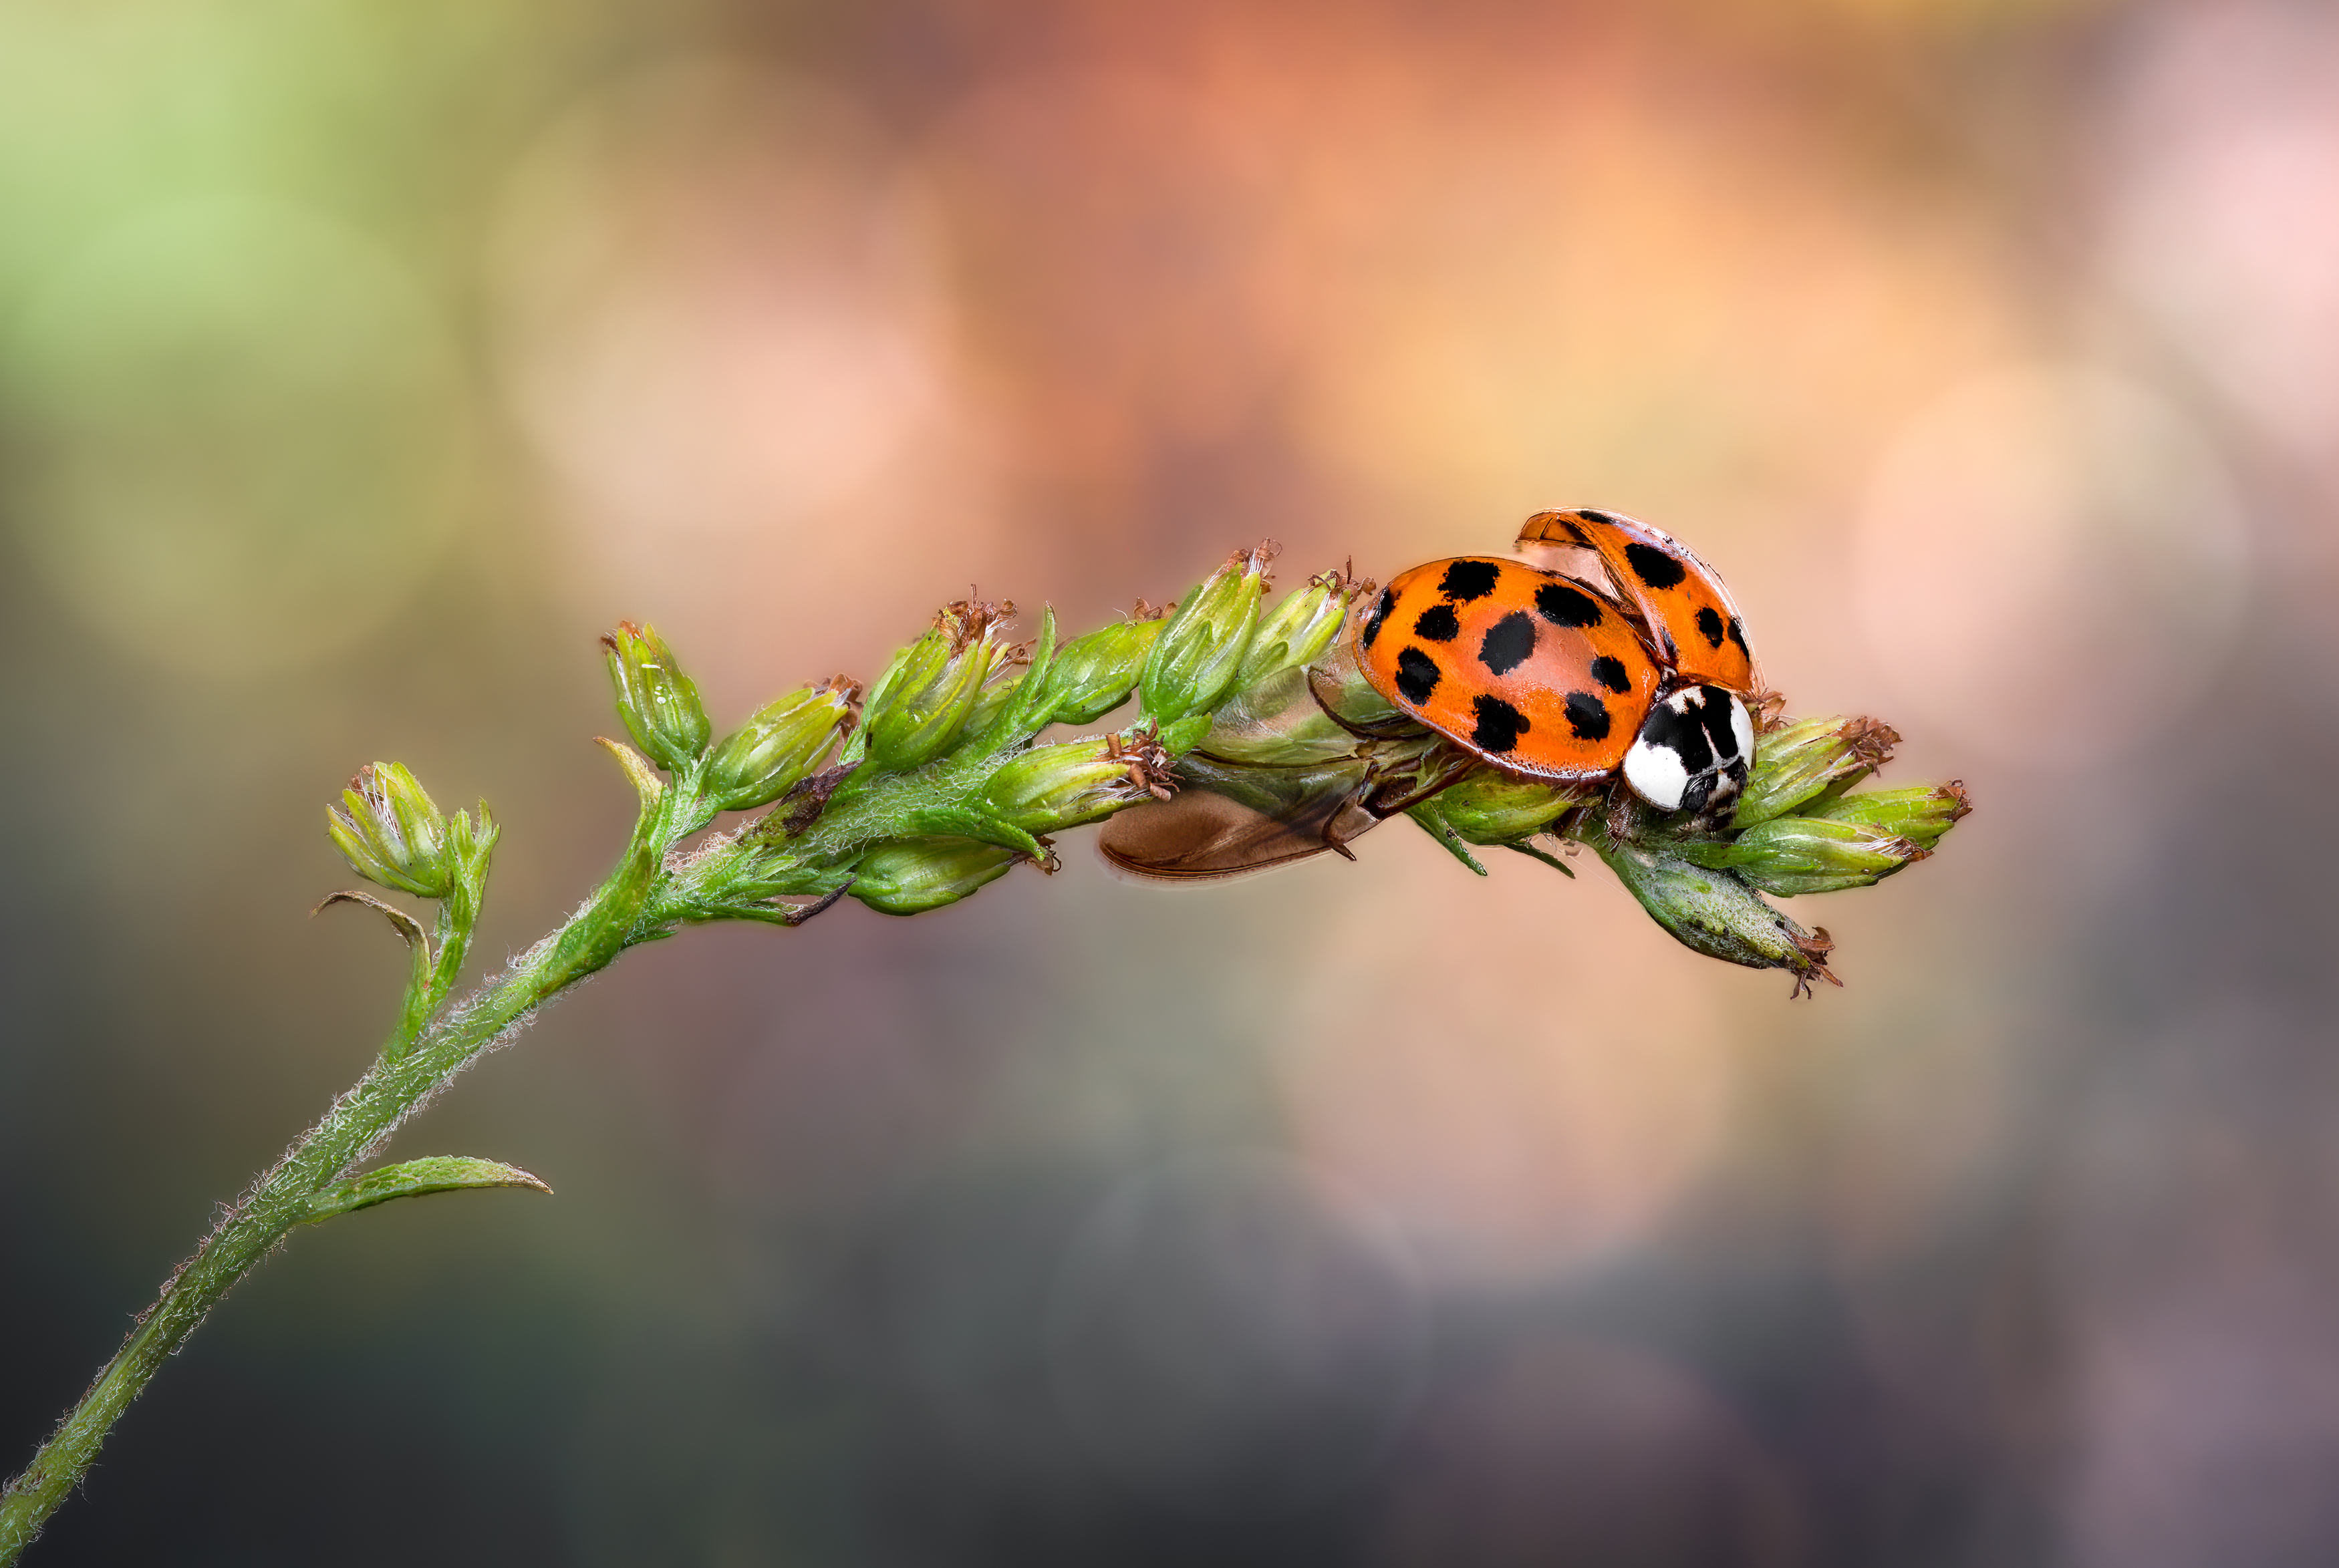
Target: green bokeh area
{"points": [[247, 436], [236, 332], [361, 362]]}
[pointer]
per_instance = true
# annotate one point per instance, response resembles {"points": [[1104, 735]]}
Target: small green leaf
{"points": [[1433, 823], [645, 779], [1553, 861], [1184, 735], [407, 926], [1027, 702], [963, 821], [414, 1177]]}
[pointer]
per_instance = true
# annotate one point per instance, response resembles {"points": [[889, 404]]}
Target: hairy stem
{"points": [[415, 1063]]}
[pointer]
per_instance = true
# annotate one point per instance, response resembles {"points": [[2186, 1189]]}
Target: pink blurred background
{"points": [[358, 364]]}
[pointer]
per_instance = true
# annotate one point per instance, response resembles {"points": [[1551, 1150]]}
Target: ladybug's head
{"points": [[1692, 752]]}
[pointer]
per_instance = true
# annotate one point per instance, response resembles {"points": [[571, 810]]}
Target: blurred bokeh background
{"points": [[360, 362]]}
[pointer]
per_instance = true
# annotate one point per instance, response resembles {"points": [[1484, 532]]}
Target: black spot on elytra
{"points": [[1654, 567], [1380, 612], [1469, 579], [1417, 676], [1499, 725], [1708, 624], [1714, 718], [1437, 625], [1587, 716], [1565, 606], [1597, 517], [1681, 730], [1737, 635], [1611, 672], [1507, 644]]}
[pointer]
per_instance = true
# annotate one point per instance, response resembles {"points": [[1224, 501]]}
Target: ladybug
{"points": [[1618, 652], [1552, 675]]}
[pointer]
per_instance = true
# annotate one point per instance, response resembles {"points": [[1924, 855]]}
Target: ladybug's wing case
{"points": [[1690, 617], [1230, 821], [1198, 837], [1537, 673]]}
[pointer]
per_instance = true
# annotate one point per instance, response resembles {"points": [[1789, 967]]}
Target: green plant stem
{"points": [[419, 1059], [410, 1069]]}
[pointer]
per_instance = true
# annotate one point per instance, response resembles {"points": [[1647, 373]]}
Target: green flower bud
{"points": [[1199, 653], [922, 703], [1049, 788], [1188, 733], [914, 876], [392, 835], [990, 702], [1275, 722], [468, 848], [1490, 807], [1791, 855], [658, 703], [1302, 626], [1804, 759], [1715, 914], [1336, 681], [783, 742], [1094, 675], [1920, 814]]}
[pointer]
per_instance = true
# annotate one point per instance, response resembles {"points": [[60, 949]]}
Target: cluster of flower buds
{"points": [[391, 834], [1808, 758], [1299, 630], [1848, 842], [1798, 830], [1181, 665], [937, 787], [1040, 791], [1221, 652]]}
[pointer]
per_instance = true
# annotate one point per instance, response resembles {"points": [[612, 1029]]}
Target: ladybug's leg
{"points": [[1353, 815], [1365, 805], [1624, 813], [1447, 766], [1377, 799], [1383, 730]]}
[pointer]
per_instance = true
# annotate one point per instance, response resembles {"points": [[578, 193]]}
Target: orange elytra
{"points": [[1562, 677]]}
